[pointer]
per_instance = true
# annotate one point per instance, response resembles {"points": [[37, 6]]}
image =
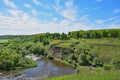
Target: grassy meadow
{"points": [[110, 75], [4, 40]]}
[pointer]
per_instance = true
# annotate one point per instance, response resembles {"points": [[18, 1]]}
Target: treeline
{"points": [[95, 34], [90, 34]]}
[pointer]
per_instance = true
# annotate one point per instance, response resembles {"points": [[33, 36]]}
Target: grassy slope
{"points": [[111, 75], [108, 49], [105, 47]]}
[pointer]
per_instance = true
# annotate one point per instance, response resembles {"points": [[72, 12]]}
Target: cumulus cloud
{"points": [[19, 22], [68, 11], [16, 21], [10, 3], [69, 14]]}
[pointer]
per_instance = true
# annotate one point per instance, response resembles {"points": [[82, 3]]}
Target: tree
{"points": [[83, 60], [64, 36]]}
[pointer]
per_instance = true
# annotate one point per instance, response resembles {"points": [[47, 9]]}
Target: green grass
{"points": [[4, 40], [55, 42], [110, 75], [112, 41], [106, 54], [65, 45]]}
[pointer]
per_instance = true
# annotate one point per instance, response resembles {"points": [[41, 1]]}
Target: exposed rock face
{"points": [[59, 52], [56, 51]]}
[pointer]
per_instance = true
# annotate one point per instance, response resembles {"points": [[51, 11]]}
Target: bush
{"points": [[97, 62], [107, 67], [116, 63], [50, 56], [83, 60]]}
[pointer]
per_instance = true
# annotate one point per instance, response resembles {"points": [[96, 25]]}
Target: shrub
{"points": [[50, 56], [83, 60], [97, 62], [107, 67], [116, 63]]}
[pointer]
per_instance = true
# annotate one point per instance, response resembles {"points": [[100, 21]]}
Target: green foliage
{"points": [[10, 60], [95, 34], [63, 36], [37, 49], [97, 62], [12, 55], [116, 63], [76, 48], [107, 67], [50, 56], [45, 42], [83, 60]]}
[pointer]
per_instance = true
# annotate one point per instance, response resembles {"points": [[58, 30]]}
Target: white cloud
{"points": [[69, 14], [116, 11], [55, 19], [114, 26], [19, 22], [99, 21], [68, 11], [9, 3], [57, 7], [28, 5], [34, 12], [114, 18], [37, 2]]}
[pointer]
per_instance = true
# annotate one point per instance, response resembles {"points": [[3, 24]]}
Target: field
{"points": [[4, 40]]}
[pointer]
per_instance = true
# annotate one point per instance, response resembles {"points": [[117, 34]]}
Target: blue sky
{"points": [[40, 16]]}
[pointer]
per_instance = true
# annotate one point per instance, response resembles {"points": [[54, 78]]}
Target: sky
{"points": [[18, 17]]}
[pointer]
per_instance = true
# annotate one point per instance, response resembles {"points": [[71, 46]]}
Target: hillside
{"points": [[93, 51]]}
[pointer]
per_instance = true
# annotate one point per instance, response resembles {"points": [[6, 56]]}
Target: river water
{"points": [[45, 68]]}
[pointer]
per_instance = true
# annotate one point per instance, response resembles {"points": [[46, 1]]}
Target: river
{"points": [[44, 69]]}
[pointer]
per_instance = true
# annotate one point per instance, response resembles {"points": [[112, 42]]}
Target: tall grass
{"points": [[4, 40], [110, 75]]}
